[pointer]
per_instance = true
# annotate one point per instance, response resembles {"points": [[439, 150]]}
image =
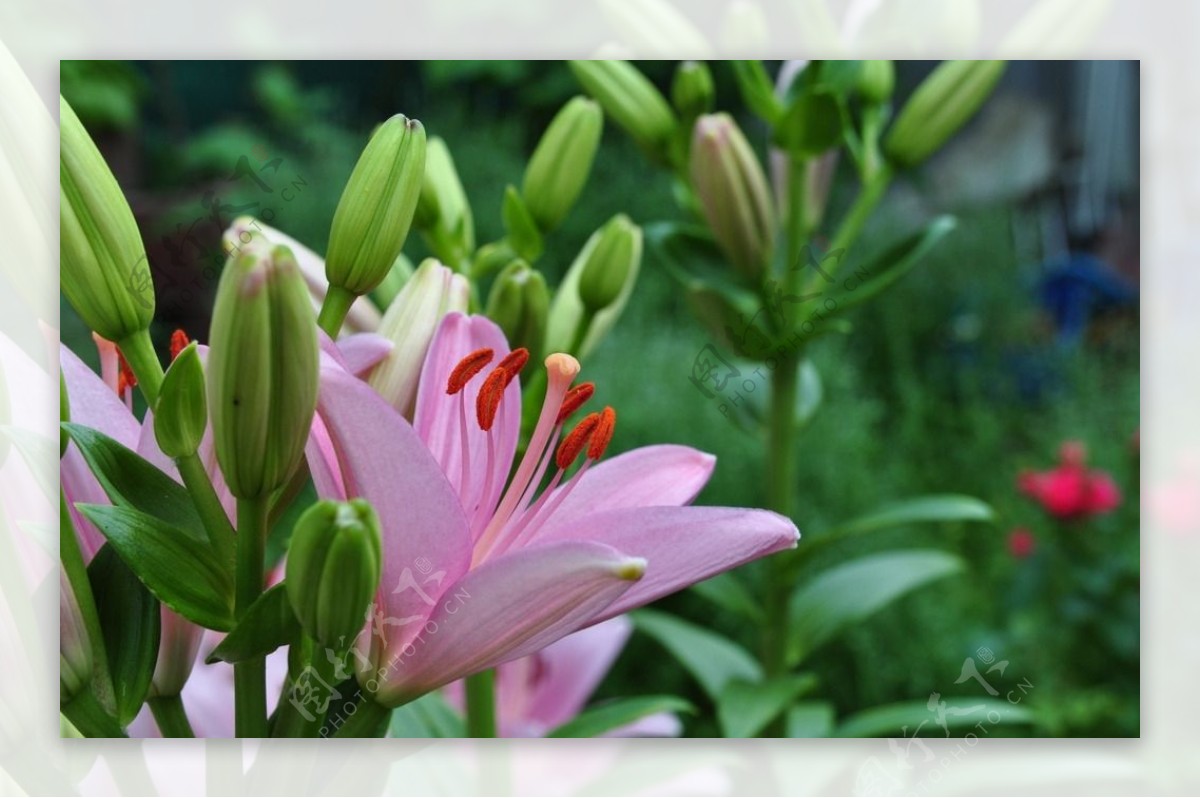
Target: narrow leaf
{"points": [[810, 719], [181, 572], [730, 593], [849, 593], [428, 716], [131, 622], [910, 718], [712, 659], [745, 708], [606, 717], [268, 624], [944, 508]]}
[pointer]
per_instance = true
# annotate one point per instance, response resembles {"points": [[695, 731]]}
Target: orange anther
{"points": [[490, 394], [575, 442], [179, 342], [575, 398], [513, 362], [467, 368], [603, 434]]}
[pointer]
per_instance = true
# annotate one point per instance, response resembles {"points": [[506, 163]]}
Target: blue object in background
{"points": [[1075, 288]]}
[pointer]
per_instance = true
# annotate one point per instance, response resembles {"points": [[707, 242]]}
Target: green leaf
{"points": [[428, 716], [131, 481], [181, 572], [810, 719], [130, 621], [757, 90], [909, 718], [811, 124], [523, 233], [38, 452], [268, 624], [610, 715], [849, 593], [730, 593], [860, 283], [943, 508], [712, 659], [745, 708]]}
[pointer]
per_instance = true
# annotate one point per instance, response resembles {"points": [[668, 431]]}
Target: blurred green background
{"points": [[1020, 332]]}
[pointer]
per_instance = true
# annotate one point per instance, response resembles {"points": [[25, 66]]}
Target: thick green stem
{"points": [[334, 309], [367, 720], [250, 698], [481, 704], [864, 205], [170, 716], [290, 718], [139, 353], [212, 513]]}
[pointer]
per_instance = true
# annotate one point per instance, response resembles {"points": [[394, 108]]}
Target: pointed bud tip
{"points": [[631, 569]]}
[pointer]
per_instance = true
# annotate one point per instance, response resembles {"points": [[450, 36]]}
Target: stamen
{"points": [[575, 443], [490, 394], [126, 379], [513, 362], [179, 342], [467, 368], [576, 398], [603, 434]]}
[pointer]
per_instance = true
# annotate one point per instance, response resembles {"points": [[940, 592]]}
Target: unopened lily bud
{"points": [[615, 257], [333, 567], [105, 274], [939, 107], [876, 80], [519, 303], [377, 206], [74, 648], [181, 412], [442, 207], [262, 368], [693, 91], [630, 99], [409, 323], [733, 193], [177, 650], [562, 161]]}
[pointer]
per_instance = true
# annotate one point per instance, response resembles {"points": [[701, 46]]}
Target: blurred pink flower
{"points": [[1021, 543], [1071, 490]]}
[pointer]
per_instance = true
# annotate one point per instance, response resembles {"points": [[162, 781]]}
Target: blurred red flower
{"points": [[1021, 543], [1071, 490]]}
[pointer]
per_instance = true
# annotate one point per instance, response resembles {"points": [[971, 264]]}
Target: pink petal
{"points": [[652, 476], [357, 353], [437, 418], [376, 456], [682, 545], [571, 670], [506, 608], [661, 724], [93, 404]]}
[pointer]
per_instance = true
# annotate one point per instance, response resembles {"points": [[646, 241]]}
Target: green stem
{"points": [[170, 716], [367, 720], [868, 197], [289, 722], [334, 309], [581, 333], [139, 353], [90, 718], [250, 696], [481, 704], [212, 513]]}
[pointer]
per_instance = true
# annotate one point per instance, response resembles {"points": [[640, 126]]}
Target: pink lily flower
{"points": [[541, 692], [481, 569]]}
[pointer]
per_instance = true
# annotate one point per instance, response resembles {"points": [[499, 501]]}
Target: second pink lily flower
{"points": [[481, 568]]}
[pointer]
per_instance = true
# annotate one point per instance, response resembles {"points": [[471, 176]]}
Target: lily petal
{"points": [[683, 545], [377, 456], [437, 418], [651, 476], [573, 668], [504, 609]]}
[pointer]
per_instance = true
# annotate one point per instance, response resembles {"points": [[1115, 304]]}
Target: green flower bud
{"points": [[442, 209], [377, 206], [74, 646], [733, 193], [939, 107], [409, 323], [519, 304], [181, 412], [334, 563], [560, 164], [630, 99], [105, 274], [576, 327], [876, 80], [693, 91], [262, 368], [615, 256]]}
